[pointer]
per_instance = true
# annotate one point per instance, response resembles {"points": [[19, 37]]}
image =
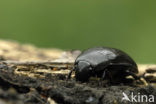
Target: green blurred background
{"points": [[129, 25]]}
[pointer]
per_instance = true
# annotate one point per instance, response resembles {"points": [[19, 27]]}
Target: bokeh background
{"points": [[129, 25]]}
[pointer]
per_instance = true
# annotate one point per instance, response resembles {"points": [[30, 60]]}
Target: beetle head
{"points": [[82, 71]]}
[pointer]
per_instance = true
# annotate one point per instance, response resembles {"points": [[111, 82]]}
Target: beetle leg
{"points": [[108, 81], [110, 76], [103, 75], [70, 73]]}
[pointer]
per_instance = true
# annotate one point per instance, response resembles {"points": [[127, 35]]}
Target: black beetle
{"points": [[104, 62]]}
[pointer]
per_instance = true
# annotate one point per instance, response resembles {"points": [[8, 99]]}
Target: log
{"points": [[43, 80]]}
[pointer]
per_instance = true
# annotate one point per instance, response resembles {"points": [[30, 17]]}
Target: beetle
{"points": [[104, 63]]}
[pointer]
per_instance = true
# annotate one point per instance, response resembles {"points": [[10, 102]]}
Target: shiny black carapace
{"points": [[104, 63]]}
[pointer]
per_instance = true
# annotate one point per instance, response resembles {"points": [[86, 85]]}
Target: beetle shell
{"points": [[93, 61]]}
